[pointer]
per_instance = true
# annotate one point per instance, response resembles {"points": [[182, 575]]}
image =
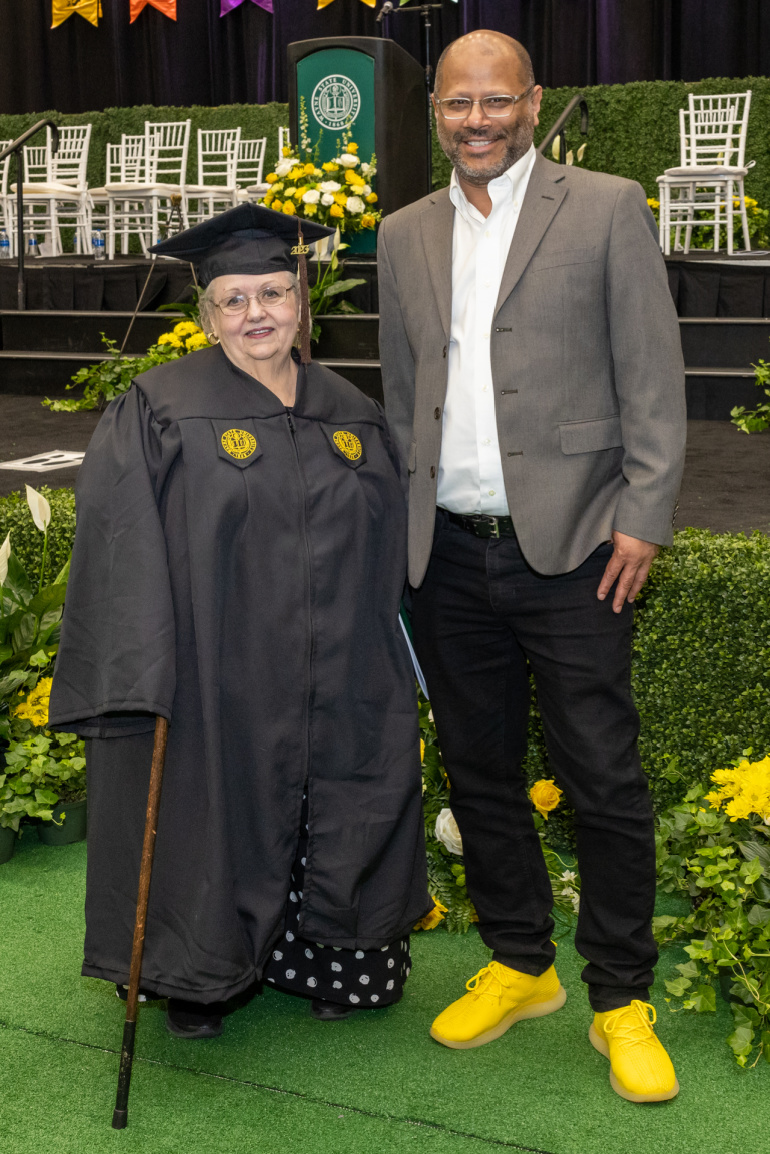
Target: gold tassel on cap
{"points": [[301, 250]]}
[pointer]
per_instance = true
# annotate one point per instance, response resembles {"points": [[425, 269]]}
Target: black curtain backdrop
{"points": [[202, 58]]}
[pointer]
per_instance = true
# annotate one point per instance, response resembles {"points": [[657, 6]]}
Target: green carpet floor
{"points": [[278, 1082]]}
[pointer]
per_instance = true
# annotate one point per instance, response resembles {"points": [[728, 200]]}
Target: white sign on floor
{"points": [[44, 462]]}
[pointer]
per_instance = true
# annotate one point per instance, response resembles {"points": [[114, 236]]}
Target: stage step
{"points": [[54, 331], [713, 392], [716, 342]]}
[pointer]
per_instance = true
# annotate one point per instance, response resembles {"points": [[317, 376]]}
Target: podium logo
{"points": [[335, 102]]}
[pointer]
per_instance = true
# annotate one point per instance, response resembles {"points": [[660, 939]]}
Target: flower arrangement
{"points": [[446, 869], [714, 848], [104, 381], [337, 193]]}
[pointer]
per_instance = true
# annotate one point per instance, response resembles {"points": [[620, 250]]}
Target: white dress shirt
{"points": [[470, 472]]}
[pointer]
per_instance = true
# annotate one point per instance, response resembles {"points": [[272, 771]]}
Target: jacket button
{"points": [[433, 470], [444, 351], [437, 413]]}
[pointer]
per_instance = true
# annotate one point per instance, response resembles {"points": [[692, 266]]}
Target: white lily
{"points": [[556, 148], [581, 151], [5, 552], [570, 157], [39, 508]]}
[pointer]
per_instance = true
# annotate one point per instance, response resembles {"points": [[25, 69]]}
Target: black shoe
{"points": [[193, 1019], [330, 1011]]}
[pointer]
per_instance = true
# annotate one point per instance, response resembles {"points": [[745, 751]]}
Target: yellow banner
{"points": [[167, 7], [326, 3], [90, 10]]}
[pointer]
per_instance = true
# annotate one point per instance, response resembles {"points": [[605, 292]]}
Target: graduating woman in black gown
{"points": [[237, 568]]}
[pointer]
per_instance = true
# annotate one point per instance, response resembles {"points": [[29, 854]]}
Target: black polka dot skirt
{"points": [[363, 978]]}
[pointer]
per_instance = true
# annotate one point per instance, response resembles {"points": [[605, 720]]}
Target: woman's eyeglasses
{"points": [[269, 297]]}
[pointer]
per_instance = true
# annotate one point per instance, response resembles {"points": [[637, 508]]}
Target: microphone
{"points": [[384, 11]]}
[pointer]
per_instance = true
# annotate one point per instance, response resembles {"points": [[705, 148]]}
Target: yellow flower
{"points": [[341, 197], [745, 788], [268, 199], [545, 796], [170, 339], [311, 209], [296, 174], [309, 169], [330, 166], [352, 147], [357, 189], [197, 341], [288, 208], [336, 210], [368, 221], [271, 177], [653, 203], [185, 328], [301, 191], [352, 177], [290, 191], [285, 151], [434, 918], [35, 708], [714, 799], [422, 751], [371, 198], [277, 205]]}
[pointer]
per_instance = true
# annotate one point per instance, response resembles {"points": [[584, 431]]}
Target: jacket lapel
{"points": [[436, 224], [545, 192]]}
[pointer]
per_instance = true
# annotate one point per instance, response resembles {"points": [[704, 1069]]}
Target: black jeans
{"points": [[482, 618]]}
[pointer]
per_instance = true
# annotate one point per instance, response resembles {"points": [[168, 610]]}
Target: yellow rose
{"points": [[271, 177], [340, 197], [268, 198], [336, 210], [352, 177], [289, 209], [368, 221], [357, 189], [290, 191], [371, 198], [352, 147], [311, 209], [277, 205], [330, 166], [309, 169], [434, 918], [545, 796]]}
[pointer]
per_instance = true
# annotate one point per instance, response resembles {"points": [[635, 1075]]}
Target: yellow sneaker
{"points": [[640, 1068], [498, 996]]}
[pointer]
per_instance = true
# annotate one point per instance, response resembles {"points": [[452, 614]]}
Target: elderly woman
{"points": [[238, 565]]}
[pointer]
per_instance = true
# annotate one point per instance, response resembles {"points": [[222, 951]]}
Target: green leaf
{"points": [[758, 915], [704, 1000], [678, 986], [47, 599], [12, 681], [25, 632], [17, 584]]}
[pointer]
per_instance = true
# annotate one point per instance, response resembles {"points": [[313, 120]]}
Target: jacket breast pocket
{"points": [[236, 442], [591, 436], [563, 257]]}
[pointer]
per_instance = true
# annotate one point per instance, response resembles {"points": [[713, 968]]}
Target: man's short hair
{"points": [[523, 57]]}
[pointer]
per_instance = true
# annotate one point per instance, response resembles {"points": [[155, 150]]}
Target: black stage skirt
{"points": [[367, 979]]}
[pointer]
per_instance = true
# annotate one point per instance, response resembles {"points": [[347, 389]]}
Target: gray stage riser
{"points": [[725, 342], [80, 332]]}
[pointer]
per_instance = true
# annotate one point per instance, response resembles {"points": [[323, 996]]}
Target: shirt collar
{"points": [[508, 187]]}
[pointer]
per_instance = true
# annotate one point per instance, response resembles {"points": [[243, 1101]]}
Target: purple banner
{"points": [[228, 5]]}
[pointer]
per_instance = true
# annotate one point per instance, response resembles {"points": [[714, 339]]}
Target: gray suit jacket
{"points": [[586, 363]]}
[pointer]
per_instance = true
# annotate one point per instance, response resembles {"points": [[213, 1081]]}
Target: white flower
{"points": [[284, 167], [366, 168], [354, 204], [327, 199], [581, 151], [5, 552], [569, 876], [367, 189], [347, 160], [329, 186], [312, 196], [39, 508], [448, 833]]}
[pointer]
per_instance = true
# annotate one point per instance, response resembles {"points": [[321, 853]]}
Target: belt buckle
{"points": [[494, 528]]}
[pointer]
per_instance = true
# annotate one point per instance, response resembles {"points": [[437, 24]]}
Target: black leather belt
{"points": [[482, 525]]}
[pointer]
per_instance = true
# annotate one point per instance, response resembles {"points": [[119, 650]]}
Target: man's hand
{"points": [[629, 565]]}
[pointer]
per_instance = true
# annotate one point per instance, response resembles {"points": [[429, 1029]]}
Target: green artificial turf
{"points": [[278, 1081]]}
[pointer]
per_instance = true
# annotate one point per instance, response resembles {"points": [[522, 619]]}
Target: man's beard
{"points": [[518, 138]]}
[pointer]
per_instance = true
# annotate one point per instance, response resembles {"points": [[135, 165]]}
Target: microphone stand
{"points": [[425, 13]]}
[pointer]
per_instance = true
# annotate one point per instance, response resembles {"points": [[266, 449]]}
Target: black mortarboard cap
{"points": [[248, 239]]}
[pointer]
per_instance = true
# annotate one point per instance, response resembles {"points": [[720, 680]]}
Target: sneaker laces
{"points": [[486, 983], [632, 1023]]}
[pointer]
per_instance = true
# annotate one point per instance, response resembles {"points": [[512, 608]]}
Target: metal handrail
{"points": [[578, 100], [16, 146]]}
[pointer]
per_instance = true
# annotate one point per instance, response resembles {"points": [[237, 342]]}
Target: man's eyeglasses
{"points": [[459, 107], [269, 297]]}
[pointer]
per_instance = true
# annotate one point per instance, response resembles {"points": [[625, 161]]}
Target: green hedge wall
{"points": [[633, 132], [634, 129]]}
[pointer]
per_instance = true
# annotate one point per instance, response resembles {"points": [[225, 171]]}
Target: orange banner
{"points": [[167, 7], [61, 10], [326, 3]]}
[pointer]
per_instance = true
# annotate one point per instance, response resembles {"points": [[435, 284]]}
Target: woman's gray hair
{"points": [[207, 307]]}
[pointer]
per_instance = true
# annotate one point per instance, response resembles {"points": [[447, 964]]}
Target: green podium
{"points": [[376, 89]]}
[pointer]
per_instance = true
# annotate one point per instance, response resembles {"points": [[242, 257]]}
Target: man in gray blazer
{"points": [[534, 384]]}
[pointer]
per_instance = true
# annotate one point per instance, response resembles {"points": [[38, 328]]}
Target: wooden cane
{"points": [[120, 1115]]}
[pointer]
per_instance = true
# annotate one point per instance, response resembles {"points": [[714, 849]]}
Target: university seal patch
{"points": [[238, 443], [348, 443]]}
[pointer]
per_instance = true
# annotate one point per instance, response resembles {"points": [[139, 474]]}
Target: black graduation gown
{"points": [[238, 569]]}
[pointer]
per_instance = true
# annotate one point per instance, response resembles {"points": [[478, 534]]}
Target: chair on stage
{"points": [[56, 189], [217, 187], [251, 160], [151, 185], [709, 179], [6, 213], [284, 140]]}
